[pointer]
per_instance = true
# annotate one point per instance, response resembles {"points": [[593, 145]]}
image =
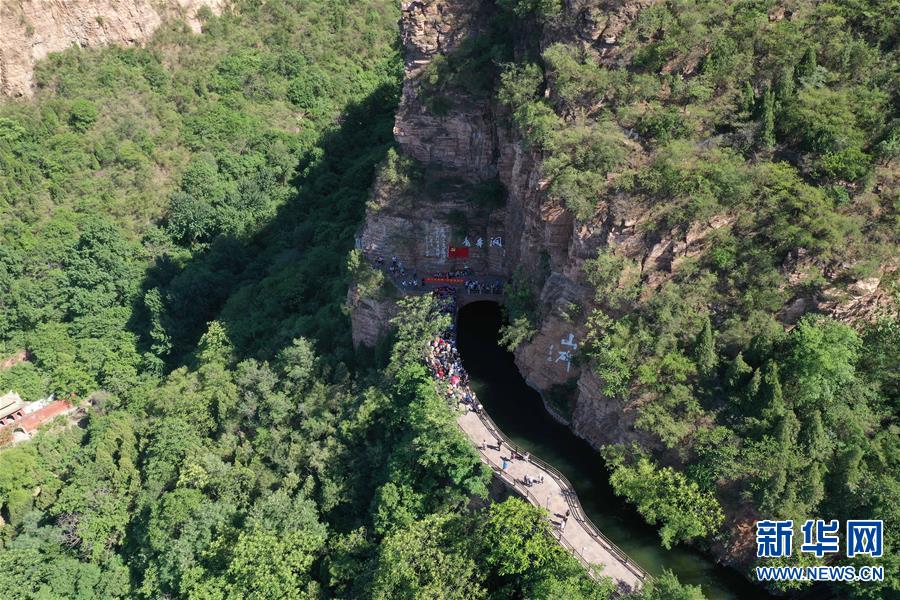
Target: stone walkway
{"points": [[576, 533]]}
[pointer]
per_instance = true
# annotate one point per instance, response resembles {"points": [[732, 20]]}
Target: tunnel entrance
{"points": [[519, 412]]}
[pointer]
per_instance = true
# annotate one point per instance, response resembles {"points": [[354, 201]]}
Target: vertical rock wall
{"points": [[473, 142]]}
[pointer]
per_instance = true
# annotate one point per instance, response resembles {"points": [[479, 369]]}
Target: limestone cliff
{"points": [[369, 318], [455, 150], [32, 29], [451, 154]]}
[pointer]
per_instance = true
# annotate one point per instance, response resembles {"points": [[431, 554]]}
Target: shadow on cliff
{"points": [[288, 280]]}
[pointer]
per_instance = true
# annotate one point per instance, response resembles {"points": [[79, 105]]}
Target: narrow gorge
{"points": [[468, 175]]}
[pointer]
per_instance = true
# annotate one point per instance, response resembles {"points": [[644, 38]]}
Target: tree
{"points": [[94, 507], [83, 114], [102, 271], [611, 346], [778, 491], [516, 333], [214, 347], [748, 98], [429, 558], [706, 355], [265, 564], [446, 459], [665, 496], [162, 341], [821, 362], [737, 372], [367, 279], [667, 587], [767, 121], [573, 584], [298, 365], [770, 405], [807, 65], [518, 546], [816, 444], [418, 325], [518, 541], [396, 506], [182, 527], [540, 9]]}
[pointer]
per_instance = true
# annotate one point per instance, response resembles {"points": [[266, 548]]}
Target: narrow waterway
{"points": [[518, 411]]}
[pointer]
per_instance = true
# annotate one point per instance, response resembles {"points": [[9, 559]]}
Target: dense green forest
{"points": [[176, 223]]}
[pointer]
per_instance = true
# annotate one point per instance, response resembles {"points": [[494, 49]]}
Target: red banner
{"points": [[458, 252], [452, 280]]}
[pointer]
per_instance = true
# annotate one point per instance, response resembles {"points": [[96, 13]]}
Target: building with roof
{"points": [[22, 418], [11, 408]]}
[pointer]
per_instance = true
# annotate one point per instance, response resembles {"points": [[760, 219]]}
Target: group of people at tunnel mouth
{"points": [[464, 277], [446, 366], [444, 359]]}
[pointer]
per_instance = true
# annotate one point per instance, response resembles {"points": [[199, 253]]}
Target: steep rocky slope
{"points": [[32, 29]]}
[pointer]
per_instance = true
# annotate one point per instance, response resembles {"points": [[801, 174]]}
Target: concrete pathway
{"points": [[554, 493]]}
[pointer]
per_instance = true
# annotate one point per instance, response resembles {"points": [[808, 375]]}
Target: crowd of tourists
{"points": [[474, 286], [444, 361], [446, 299], [454, 274], [399, 272], [410, 279]]}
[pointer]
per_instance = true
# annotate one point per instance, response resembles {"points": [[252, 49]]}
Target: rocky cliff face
{"points": [[472, 142], [370, 318], [455, 151], [451, 155], [32, 29]]}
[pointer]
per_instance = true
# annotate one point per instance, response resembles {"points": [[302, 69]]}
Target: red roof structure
{"points": [[30, 422]]}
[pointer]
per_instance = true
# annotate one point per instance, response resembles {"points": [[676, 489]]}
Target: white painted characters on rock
{"points": [[566, 355]]}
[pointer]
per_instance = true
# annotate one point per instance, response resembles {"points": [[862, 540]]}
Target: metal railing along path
{"points": [[514, 483], [571, 499]]}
